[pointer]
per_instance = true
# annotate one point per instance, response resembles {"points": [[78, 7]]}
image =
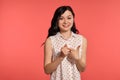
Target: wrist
{"points": [[77, 60], [61, 57]]}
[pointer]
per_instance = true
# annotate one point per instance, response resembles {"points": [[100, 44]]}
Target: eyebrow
{"points": [[67, 16]]}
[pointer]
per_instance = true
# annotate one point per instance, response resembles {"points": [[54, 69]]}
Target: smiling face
{"points": [[65, 21]]}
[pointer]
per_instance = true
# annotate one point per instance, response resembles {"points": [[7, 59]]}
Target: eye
{"points": [[61, 18], [69, 17]]}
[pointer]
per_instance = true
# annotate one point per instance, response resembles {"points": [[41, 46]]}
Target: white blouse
{"points": [[67, 69]]}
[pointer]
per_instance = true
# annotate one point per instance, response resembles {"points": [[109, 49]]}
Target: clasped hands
{"points": [[70, 52]]}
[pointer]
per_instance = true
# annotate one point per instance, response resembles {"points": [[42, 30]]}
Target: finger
{"points": [[65, 45], [71, 49], [69, 57], [78, 47]]}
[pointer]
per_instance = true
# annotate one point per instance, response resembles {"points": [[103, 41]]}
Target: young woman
{"points": [[65, 49]]}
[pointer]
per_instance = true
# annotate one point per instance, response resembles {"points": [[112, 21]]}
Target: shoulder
{"points": [[48, 41], [80, 36], [50, 38], [84, 39]]}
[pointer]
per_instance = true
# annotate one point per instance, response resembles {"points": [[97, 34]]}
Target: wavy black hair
{"points": [[54, 23]]}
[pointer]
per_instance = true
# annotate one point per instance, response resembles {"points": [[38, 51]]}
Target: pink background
{"points": [[24, 25]]}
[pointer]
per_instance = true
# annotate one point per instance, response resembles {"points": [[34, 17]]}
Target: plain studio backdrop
{"points": [[24, 25]]}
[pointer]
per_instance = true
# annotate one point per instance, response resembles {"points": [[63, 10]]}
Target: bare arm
{"points": [[50, 66], [81, 62]]}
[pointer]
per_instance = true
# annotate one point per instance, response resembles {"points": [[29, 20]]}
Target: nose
{"points": [[65, 21]]}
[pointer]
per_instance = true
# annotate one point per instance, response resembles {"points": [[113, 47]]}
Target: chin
{"points": [[66, 30]]}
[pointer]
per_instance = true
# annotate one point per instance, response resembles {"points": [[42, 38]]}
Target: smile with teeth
{"points": [[65, 26]]}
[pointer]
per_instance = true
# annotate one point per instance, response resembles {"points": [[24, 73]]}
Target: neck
{"points": [[66, 34]]}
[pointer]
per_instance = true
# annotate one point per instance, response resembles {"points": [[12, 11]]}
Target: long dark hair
{"points": [[54, 23]]}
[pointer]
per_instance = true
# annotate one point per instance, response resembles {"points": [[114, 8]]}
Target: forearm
{"points": [[80, 65], [49, 68]]}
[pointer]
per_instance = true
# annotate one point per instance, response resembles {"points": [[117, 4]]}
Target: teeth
{"points": [[65, 25]]}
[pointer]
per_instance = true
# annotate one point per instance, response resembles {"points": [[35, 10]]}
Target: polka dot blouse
{"points": [[67, 69]]}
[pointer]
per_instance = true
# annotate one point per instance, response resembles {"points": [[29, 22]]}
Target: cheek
{"points": [[71, 22], [60, 23]]}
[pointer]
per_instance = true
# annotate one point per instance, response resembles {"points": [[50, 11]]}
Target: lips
{"points": [[65, 26]]}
